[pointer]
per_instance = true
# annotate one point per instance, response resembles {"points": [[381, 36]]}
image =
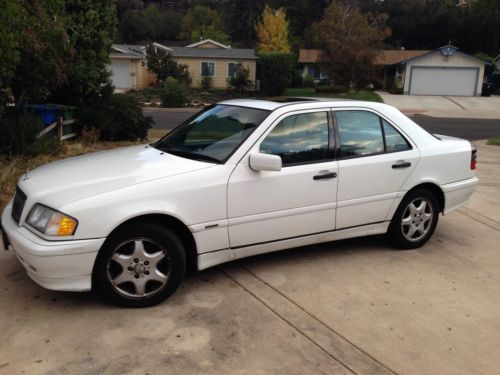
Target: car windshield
{"points": [[213, 134]]}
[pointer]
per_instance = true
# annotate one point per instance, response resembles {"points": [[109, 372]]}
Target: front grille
{"points": [[18, 205]]}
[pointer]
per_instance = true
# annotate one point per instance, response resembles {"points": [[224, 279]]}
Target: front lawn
{"points": [[366, 95], [494, 141], [11, 168]]}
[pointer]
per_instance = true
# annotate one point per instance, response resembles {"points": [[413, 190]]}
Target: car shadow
{"points": [[41, 298]]}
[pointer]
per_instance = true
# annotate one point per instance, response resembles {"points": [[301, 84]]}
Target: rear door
{"points": [[375, 159]]}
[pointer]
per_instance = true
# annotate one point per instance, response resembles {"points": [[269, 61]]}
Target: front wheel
{"points": [[415, 219], [140, 265]]}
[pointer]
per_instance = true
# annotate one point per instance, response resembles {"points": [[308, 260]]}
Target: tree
{"points": [[240, 79], [153, 23], [202, 22], [349, 42], [90, 26], [275, 69], [43, 52], [161, 63], [272, 31]]}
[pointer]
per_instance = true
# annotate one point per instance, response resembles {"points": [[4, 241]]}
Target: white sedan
{"points": [[240, 178]]}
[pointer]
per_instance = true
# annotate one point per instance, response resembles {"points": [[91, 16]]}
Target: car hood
{"points": [[68, 180]]}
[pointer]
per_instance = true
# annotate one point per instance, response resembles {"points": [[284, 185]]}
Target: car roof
{"points": [[300, 103]]}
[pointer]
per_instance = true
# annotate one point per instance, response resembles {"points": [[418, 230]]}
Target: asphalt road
{"points": [[471, 129]]}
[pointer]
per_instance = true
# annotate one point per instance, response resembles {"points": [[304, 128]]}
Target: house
{"points": [[310, 64], [128, 67], [443, 71], [206, 58]]}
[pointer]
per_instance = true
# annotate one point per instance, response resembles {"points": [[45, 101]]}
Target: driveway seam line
{"points": [[480, 214], [479, 221], [288, 322], [318, 320], [454, 102]]}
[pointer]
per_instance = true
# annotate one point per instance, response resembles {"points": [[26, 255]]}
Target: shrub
{"points": [[90, 136], [206, 82], [20, 135], [239, 81], [296, 79], [275, 69], [173, 94], [308, 81], [336, 89], [118, 116]]}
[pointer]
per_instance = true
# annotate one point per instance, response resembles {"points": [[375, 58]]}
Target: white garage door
{"points": [[443, 81], [120, 73]]}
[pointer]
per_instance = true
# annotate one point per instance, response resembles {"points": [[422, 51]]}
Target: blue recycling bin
{"points": [[46, 112]]}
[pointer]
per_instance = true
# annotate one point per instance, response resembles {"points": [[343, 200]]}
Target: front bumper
{"points": [[55, 265]]}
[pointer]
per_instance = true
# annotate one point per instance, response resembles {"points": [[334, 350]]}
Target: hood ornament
{"points": [[26, 177]]}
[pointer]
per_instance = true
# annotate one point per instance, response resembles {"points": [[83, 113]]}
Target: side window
{"points": [[393, 140], [360, 133], [364, 133], [299, 138]]}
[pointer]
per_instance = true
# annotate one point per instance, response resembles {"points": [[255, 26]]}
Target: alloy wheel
{"points": [[138, 268], [417, 219]]}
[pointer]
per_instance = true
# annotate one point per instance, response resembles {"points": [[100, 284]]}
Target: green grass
{"points": [[366, 95], [494, 141]]}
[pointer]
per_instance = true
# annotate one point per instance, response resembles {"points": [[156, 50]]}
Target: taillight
{"points": [[473, 157]]}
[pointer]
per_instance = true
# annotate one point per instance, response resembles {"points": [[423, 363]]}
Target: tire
{"points": [[140, 265], [413, 224]]}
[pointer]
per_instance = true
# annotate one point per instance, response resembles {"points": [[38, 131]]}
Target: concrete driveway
{"points": [[445, 106], [354, 306]]}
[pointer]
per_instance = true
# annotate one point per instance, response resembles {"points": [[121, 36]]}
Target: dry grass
{"points": [[13, 168]]}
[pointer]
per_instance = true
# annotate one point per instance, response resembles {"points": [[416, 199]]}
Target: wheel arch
{"points": [[434, 189], [173, 223]]}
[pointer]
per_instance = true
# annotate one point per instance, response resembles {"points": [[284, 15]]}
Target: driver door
{"points": [[296, 201]]}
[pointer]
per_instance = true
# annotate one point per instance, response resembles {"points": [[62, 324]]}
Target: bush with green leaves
{"points": [[118, 116], [173, 94], [296, 79], [331, 89], [308, 81], [20, 136], [275, 70], [240, 79], [206, 82]]}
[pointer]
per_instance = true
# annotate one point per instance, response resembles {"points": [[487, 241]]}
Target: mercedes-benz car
{"points": [[240, 178]]}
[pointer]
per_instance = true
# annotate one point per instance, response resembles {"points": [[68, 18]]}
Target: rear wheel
{"points": [[415, 219], [140, 265]]}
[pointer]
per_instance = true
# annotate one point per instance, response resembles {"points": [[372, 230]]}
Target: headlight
{"points": [[51, 222]]}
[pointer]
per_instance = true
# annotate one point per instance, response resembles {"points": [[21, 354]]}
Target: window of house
{"points": [[207, 69], [231, 67], [364, 133], [313, 71], [301, 138]]}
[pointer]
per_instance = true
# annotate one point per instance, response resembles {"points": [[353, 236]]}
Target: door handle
{"points": [[401, 164], [325, 176]]}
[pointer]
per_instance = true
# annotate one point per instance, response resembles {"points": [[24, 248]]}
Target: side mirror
{"points": [[265, 162]]}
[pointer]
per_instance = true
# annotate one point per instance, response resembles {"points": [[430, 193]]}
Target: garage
{"points": [[440, 80], [443, 71], [120, 73]]}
